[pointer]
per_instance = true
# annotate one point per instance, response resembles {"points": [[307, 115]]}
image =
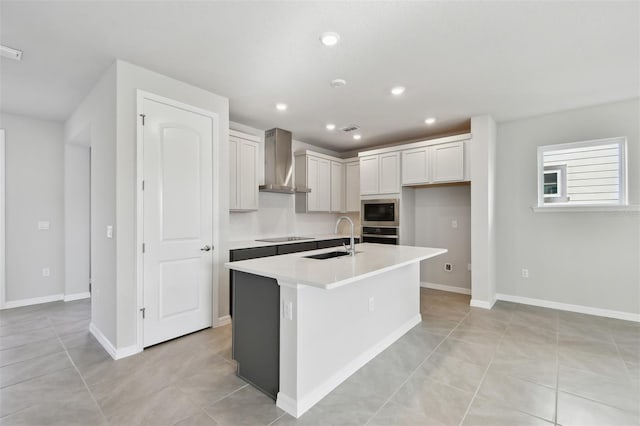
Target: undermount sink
{"points": [[284, 239], [328, 255]]}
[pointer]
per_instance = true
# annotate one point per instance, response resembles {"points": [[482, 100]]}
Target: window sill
{"points": [[585, 208]]}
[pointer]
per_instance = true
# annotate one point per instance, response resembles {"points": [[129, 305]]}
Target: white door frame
{"points": [[3, 272], [215, 149]]}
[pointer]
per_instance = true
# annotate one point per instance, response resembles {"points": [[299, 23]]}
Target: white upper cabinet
{"points": [[337, 187], [352, 186], [380, 174], [369, 175], [243, 171], [415, 166], [448, 162]]}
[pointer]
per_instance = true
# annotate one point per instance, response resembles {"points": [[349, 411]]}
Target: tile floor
{"points": [[513, 365]]}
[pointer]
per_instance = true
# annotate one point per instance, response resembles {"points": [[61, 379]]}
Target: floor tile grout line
{"points": [[416, 369], [66, 350], [484, 375]]}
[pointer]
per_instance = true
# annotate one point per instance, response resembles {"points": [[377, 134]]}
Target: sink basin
{"points": [[328, 255], [284, 239]]}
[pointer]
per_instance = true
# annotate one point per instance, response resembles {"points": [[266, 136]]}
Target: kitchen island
{"points": [[302, 326]]}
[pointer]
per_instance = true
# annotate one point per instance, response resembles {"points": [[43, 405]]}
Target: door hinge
{"points": [[144, 246], [143, 310], [143, 116], [143, 185]]}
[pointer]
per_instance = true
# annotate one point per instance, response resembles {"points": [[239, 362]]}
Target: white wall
{"points": [[34, 192], [94, 122], [435, 208], [130, 78], [77, 217], [276, 214], [581, 258]]}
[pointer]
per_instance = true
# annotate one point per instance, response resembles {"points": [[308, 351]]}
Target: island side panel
{"points": [[256, 330], [335, 332]]}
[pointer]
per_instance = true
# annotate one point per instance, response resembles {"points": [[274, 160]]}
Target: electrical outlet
{"points": [[44, 225], [454, 224], [109, 231], [448, 267], [46, 272], [372, 304], [525, 273], [287, 310]]}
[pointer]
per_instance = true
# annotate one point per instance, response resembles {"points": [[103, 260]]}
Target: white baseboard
{"points": [[443, 287], [629, 316], [297, 408], [108, 346], [222, 321], [76, 296], [32, 301], [482, 303]]}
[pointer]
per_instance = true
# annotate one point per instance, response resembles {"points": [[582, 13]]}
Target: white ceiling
{"points": [[456, 59]]}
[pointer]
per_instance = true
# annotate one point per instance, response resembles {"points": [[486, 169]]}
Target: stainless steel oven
{"points": [[380, 234], [380, 212]]}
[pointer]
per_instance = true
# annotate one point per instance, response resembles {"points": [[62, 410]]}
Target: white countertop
{"points": [[370, 259], [236, 245]]}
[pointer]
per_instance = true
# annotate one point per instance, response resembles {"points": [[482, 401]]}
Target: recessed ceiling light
{"points": [[330, 126], [329, 38], [10, 53], [357, 137], [430, 120], [397, 91], [281, 107], [338, 82]]}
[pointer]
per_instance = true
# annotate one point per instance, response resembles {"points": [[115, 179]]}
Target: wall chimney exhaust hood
{"points": [[278, 163]]}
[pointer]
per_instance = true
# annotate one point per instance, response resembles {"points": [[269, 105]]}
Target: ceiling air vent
{"points": [[350, 128]]}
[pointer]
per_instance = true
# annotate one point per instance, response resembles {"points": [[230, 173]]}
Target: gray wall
{"points": [[435, 208], [94, 121], [77, 211], [582, 258], [34, 192]]}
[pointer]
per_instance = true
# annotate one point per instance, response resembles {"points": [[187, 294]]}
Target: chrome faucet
{"points": [[352, 245]]}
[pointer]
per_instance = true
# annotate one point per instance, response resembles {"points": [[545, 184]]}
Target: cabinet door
{"points": [[312, 184], [248, 176], [352, 196], [448, 162], [369, 175], [389, 173], [233, 174], [324, 185], [337, 187], [415, 166]]}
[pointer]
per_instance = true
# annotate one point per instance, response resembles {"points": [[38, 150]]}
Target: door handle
{"points": [[206, 248]]}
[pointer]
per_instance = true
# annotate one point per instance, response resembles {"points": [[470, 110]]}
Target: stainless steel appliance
{"points": [[278, 165], [380, 234], [381, 212]]}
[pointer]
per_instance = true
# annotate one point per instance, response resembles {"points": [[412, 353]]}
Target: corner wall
{"points": [[130, 78], [34, 187], [584, 258]]}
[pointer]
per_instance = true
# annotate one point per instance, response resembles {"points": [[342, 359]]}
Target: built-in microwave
{"points": [[380, 212]]}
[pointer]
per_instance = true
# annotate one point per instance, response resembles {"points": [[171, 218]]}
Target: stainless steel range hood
{"points": [[278, 163]]}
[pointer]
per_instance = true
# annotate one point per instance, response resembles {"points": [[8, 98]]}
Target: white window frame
{"points": [[558, 173], [620, 140]]}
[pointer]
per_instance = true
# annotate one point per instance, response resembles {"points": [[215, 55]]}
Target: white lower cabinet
{"points": [[243, 172]]}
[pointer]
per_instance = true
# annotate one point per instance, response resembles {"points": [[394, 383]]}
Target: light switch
{"points": [[43, 225], [109, 231]]}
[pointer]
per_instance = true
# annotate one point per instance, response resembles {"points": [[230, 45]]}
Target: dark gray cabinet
{"points": [[297, 247]]}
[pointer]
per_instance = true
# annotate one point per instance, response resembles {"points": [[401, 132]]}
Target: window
{"points": [[583, 173]]}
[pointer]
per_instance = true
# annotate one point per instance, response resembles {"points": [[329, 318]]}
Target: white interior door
{"points": [[178, 197]]}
